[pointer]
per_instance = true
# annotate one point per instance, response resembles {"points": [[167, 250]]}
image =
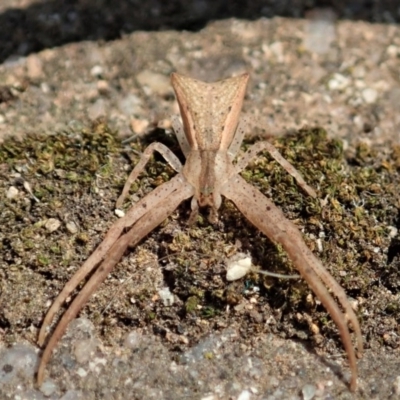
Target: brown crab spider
{"points": [[210, 138]]}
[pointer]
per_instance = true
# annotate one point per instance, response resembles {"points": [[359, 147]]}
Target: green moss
{"points": [[43, 260], [78, 175], [191, 304], [209, 312], [360, 203], [151, 315]]}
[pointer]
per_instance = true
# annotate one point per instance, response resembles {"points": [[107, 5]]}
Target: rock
{"points": [[52, 224], [157, 83]]}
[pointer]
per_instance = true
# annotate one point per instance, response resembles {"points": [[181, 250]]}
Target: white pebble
{"points": [[81, 372], [277, 50], [392, 231], [338, 82], [369, 95], [238, 268], [166, 296], [119, 213], [52, 224], [12, 192], [45, 87], [97, 71], [71, 227], [393, 51], [319, 245], [245, 395], [208, 397]]}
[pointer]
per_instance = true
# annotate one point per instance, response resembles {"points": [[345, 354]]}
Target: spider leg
{"points": [[238, 137], [139, 230], [180, 135], [152, 200], [169, 156], [262, 213], [260, 146]]}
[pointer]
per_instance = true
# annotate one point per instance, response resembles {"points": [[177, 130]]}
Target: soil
{"points": [[84, 88]]}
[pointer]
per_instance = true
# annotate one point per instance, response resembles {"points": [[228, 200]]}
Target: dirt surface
{"points": [[76, 78]]}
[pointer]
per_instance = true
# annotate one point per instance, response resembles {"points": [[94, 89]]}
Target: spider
{"points": [[210, 138]]}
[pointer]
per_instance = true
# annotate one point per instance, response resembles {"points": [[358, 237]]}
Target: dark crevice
{"points": [[53, 23]]}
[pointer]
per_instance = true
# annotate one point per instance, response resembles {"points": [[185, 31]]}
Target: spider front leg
{"points": [[152, 200], [142, 227], [263, 214], [116, 229]]}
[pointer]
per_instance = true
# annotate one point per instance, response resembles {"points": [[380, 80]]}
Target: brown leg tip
{"points": [[353, 384]]}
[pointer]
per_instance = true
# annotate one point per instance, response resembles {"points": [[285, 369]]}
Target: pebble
{"points": [[338, 82], [393, 231], [119, 213], [139, 126], [52, 224], [396, 386], [256, 316], [97, 109], [166, 297], [71, 227], [48, 387], [245, 395], [17, 361], [393, 51], [102, 86], [308, 391], [12, 192], [34, 67], [156, 82], [277, 50], [130, 105], [45, 88], [132, 340], [96, 71], [237, 268], [369, 95], [84, 350], [81, 372]]}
